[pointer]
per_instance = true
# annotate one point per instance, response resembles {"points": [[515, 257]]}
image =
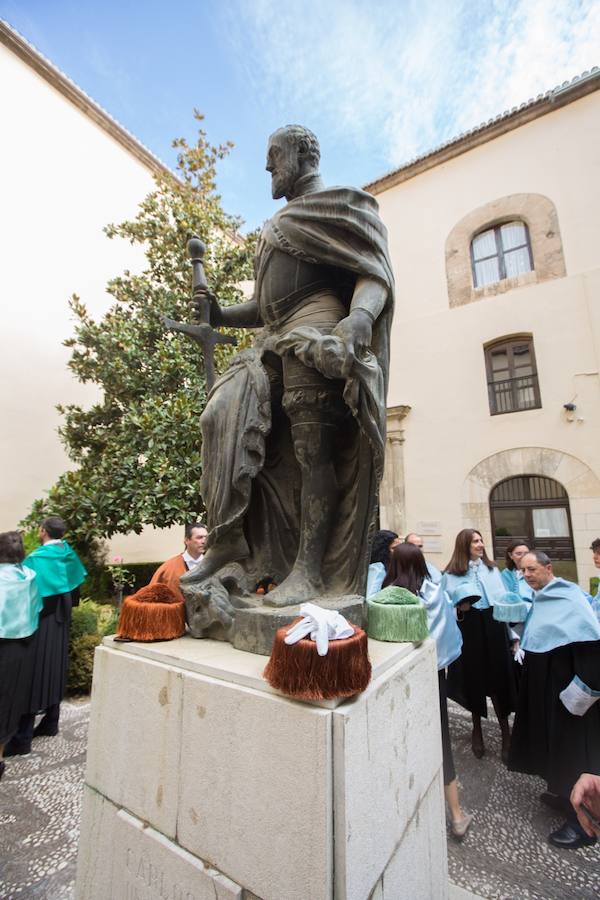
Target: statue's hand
{"points": [[355, 331], [196, 308]]}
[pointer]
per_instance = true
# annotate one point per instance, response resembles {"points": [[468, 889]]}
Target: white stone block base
{"points": [[203, 782]]}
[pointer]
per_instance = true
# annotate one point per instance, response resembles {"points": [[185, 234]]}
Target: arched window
{"points": [[503, 251], [533, 509], [512, 375], [514, 234]]}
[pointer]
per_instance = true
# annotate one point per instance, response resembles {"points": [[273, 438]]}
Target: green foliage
{"points": [[31, 540], [81, 663], [84, 619], [594, 584], [99, 587], [90, 622], [136, 452]]}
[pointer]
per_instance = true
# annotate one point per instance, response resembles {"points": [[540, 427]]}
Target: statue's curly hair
{"points": [[300, 134]]}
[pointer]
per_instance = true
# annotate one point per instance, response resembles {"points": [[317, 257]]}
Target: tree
{"points": [[137, 450]]}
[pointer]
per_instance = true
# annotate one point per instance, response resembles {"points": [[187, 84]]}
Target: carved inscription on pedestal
{"points": [[144, 880]]}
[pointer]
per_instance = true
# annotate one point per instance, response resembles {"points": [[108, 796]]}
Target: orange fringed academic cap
{"points": [[155, 613], [299, 671]]}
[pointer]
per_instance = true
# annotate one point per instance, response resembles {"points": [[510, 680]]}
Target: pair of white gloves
{"points": [[321, 625]]}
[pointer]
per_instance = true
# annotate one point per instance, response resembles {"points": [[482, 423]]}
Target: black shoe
{"points": [[570, 836], [15, 748], [559, 804], [46, 729], [2, 768]]}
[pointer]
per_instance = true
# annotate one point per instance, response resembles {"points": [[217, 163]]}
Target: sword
{"points": [[202, 333]]}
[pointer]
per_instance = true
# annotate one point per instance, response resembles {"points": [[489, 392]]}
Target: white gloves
{"points": [[519, 656], [577, 697], [321, 625]]}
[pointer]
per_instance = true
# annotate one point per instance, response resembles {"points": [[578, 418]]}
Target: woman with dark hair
{"points": [[484, 668], [408, 569], [380, 556], [512, 575], [20, 606]]}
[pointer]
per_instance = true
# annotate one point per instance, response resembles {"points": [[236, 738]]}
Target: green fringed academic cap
{"points": [[396, 614], [467, 591], [510, 608], [58, 568]]}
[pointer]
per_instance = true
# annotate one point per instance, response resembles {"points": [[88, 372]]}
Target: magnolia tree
{"points": [[136, 451]]}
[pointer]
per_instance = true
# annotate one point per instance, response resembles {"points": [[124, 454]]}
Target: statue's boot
{"points": [[214, 559], [296, 588]]}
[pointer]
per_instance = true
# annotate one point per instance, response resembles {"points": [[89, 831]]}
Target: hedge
{"points": [[90, 622]]}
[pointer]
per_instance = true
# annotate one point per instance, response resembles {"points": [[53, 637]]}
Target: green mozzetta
{"points": [[396, 614], [58, 568]]}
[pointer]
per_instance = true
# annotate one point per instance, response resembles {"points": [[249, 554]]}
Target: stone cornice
{"points": [[506, 121]]}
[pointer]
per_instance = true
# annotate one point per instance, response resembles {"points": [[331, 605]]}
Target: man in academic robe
{"points": [[556, 734], [293, 433], [59, 574], [434, 573], [170, 572]]}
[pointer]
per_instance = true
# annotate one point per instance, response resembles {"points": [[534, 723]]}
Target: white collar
{"points": [[189, 560], [53, 541]]}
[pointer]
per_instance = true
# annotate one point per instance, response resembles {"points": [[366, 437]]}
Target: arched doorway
{"points": [[535, 509]]}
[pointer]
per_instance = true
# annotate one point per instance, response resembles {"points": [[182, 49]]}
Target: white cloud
{"points": [[402, 77]]}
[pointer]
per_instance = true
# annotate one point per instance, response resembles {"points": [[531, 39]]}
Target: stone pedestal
{"points": [[203, 782]]}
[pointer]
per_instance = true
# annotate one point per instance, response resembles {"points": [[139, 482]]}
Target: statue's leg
{"points": [[234, 407], [314, 407]]}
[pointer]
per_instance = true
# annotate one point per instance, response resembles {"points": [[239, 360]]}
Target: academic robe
{"points": [[561, 640], [485, 666], [59, 574], [170, 572], [20, 606]]}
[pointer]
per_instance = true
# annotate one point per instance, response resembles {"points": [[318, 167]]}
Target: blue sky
{"points": [[379, 82]]}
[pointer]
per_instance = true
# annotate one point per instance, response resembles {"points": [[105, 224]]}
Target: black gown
{"points": [[547, 739], [485, 667], [16, 670], [51, 652]]}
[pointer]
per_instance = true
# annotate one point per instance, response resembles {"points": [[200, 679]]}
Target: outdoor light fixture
{"points": [[570, 407]]}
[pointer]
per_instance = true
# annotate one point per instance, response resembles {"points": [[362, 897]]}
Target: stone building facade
{"points": [[494, 402]]}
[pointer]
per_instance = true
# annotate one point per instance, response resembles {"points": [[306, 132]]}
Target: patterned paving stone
{"points": [[505, 855], [40, 807]]}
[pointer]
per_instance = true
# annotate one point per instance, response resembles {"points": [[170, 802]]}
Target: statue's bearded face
{"points": [[284, 165]]}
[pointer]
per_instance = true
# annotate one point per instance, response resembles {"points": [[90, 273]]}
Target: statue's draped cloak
{"points": [[251, 480]]}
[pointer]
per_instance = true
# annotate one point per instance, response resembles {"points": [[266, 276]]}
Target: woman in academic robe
{"points": [[408, 569], [557, 726], [485, 667], [20, 606], [59, 572], [383, 542], [512, 575]]}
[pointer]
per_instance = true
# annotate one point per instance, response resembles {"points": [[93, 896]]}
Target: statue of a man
{"points": [[293, 433]]}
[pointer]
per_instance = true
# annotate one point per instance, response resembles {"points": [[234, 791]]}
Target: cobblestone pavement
{"points": [[504, 856], [40, 805]]}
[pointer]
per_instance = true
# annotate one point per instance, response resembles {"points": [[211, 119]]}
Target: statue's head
{"points": [[293, 151]]}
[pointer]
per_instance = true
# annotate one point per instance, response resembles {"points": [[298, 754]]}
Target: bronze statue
{"points": [[293, 433]]}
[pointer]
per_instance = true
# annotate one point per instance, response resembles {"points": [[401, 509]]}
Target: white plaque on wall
{"points": [[430, 526]]}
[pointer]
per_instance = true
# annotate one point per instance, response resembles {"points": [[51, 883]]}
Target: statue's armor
{"points": [[314, 298]]}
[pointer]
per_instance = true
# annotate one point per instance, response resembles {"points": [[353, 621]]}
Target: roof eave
{"points": [[507, 121]]}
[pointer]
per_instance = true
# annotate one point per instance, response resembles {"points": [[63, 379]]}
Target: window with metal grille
{"points": [[501, 252], [533, 509], [512, 376]]}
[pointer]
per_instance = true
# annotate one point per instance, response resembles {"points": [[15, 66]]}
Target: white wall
{"points": [[63, 179], [438, 365]]}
